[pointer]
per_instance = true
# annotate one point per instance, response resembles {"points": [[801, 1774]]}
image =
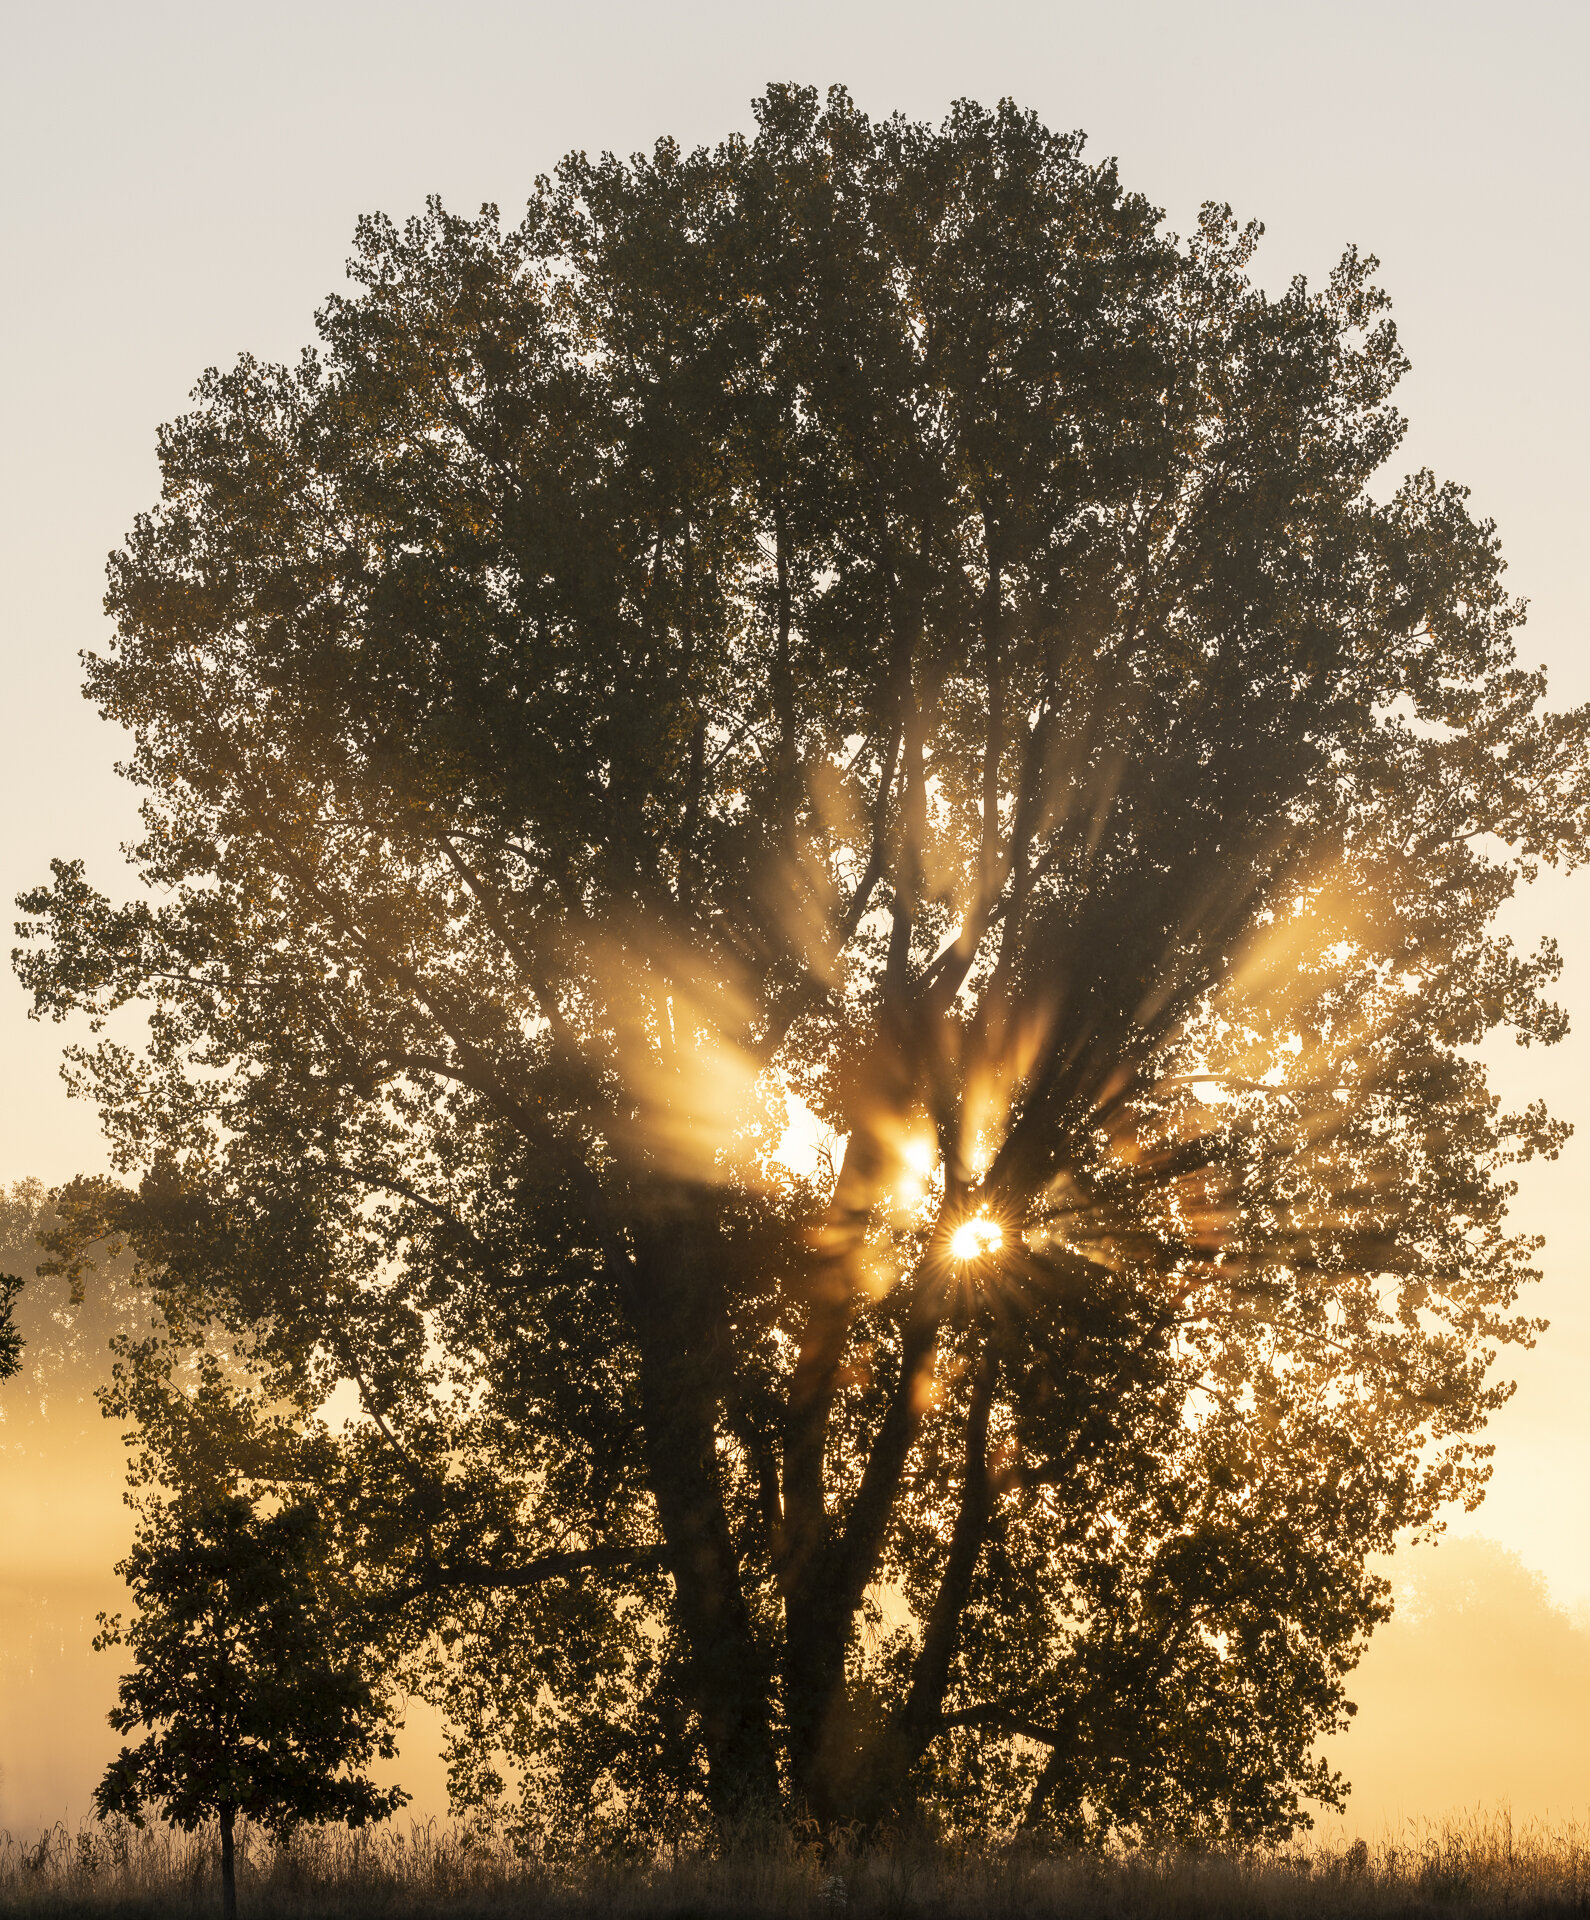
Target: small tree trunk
{"points": [[228, 1868]]}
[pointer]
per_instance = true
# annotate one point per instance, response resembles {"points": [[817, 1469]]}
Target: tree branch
{"points": [[473, 1577], [919, 1717]]}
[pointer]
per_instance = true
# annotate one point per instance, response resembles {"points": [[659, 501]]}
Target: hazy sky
{"points": [[182, 182]]}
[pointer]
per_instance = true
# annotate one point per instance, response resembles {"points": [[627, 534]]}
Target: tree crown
{"points": [[860, 613], [254, 1700]]}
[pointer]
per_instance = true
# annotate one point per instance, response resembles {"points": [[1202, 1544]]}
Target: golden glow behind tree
{"points": [[861, 612]]}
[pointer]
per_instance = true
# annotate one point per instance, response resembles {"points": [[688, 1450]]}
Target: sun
{"points": [[973, 1238]]}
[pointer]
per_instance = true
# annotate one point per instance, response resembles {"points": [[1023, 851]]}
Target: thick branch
{"points": [[473, 1577], [856, 1551], [994, 739], [930, 1675], [783, 674]]}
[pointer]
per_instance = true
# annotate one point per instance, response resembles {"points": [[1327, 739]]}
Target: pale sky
{"points": [[183, 184]]}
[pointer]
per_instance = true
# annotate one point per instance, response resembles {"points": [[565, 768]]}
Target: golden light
{"points": [[918, 1156], [973, 1238], [911, 1194]]}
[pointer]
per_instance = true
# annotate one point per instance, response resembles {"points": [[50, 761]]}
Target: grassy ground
{"points": [[1476, 1867]]}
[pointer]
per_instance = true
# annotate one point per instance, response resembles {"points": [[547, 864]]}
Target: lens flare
{"points": [[973, 1238]]}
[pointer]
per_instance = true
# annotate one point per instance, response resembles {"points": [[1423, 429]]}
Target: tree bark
{"points": [[730, 1671], [827, 1770], [228, 1865], [919, 1720], [931, 1673]]}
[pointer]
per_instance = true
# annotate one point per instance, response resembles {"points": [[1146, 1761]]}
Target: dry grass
{"points": [[1478, 1866]]}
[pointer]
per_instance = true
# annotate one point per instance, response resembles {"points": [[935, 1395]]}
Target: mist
{"points": [[1475, 1695], [63, 1527]]}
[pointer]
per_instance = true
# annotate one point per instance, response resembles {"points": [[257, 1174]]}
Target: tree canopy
{"points": [[862, 617]]}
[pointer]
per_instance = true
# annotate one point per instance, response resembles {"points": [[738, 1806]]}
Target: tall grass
{"points": [[1476, 1866]]}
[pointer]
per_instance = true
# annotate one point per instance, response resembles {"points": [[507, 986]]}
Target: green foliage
{"points": [[861, 613], [254, 1698]]}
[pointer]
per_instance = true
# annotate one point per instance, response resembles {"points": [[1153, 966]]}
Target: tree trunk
{"points": [[730, 1671], [827, 1766], [887, 1794], [228, 1867]]}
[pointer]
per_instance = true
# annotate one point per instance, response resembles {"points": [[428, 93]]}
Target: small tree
{"points": [[253, 1693]]}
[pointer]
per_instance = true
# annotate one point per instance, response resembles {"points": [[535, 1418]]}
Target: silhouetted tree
{"points": [[254, 1697], [862, 613], [10, 1338], [68, 1315], [19, 1207]]}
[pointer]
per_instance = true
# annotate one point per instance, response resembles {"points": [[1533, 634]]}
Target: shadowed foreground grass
{"points": [[1479, 1865]]}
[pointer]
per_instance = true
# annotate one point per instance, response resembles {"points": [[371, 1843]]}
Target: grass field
{"points": [[1478, 1866]]}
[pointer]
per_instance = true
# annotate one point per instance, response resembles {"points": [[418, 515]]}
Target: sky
{"points": [[183, 182]]}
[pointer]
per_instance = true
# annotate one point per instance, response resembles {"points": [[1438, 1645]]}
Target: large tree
{"points": [[864, 614]]}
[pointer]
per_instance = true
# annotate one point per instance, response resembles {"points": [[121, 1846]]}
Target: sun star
{"points": [[973, 1238]]}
